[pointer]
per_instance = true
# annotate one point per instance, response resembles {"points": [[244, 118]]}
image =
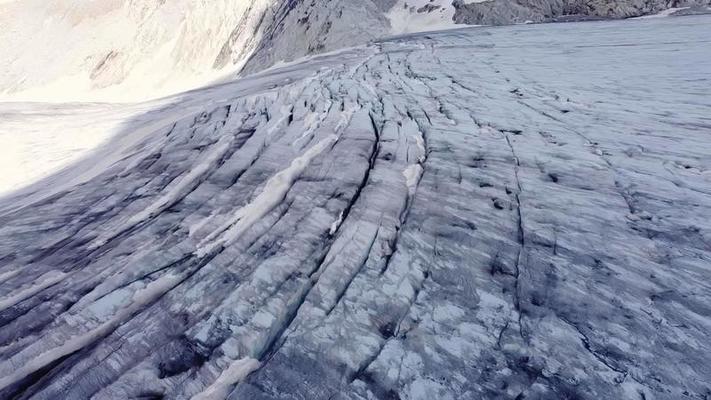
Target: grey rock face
{"points": [[298, 28], [512, 213], [503, 12]]}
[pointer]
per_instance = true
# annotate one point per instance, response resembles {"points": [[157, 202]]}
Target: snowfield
{"points": [[120, 50], [487, 213]]}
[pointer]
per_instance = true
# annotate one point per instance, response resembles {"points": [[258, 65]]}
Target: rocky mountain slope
{"points": [[510, 213], [298, 28], [502, 12]]}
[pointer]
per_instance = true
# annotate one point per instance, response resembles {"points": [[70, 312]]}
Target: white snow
{"points": [[404, 17], [36, 140], [666, 13], [117, 50], [336, 224], [412, 175]]}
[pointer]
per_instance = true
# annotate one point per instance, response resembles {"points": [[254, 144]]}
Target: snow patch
{"points": [[336, 224], [408, 16], [412, 176], [666, 13]]}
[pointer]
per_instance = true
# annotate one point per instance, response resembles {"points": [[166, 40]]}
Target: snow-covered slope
{"points": [[117, 49], [510, 213]]}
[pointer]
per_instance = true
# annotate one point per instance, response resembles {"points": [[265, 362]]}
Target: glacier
{"points": [[481, 213]]}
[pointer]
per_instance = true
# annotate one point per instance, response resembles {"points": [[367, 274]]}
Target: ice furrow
{"points": [[273, 193]]}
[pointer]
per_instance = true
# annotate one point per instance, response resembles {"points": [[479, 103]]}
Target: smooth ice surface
{"points": [[494, 213]]}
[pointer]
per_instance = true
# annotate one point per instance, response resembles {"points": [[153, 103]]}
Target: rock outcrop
{"points": [[504, 12]]}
